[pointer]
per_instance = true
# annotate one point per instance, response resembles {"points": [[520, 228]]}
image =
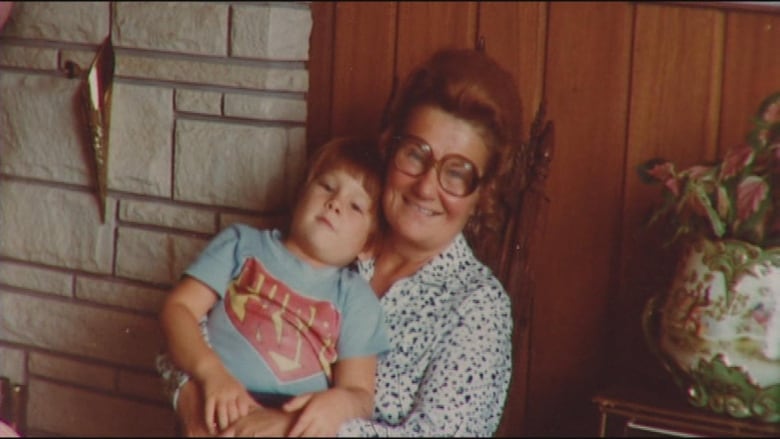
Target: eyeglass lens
{"points": [[456, 174]]}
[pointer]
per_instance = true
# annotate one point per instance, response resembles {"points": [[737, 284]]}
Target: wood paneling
{"points": [[363, 64], [586, 84], [515, 33], [424, 27], [751, 71], [318, 97], [624, 82]]}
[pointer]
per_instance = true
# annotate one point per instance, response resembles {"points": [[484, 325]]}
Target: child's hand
{"points": [[226, 400], [322, 415]]}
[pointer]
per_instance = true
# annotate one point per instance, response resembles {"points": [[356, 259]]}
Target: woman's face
{"points": [[418, 210]]}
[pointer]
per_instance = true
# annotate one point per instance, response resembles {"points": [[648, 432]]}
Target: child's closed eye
{"points": [[326, 185]]}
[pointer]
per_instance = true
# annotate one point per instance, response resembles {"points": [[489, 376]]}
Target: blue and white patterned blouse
{"points": [[448, 371]]}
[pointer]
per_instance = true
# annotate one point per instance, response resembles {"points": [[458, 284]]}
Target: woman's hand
{"points": [[322, 415], [261, 422], [189, 408], [351, 397]]}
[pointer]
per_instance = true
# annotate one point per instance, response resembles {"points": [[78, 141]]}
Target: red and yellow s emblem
{"points": [[294, 334]]}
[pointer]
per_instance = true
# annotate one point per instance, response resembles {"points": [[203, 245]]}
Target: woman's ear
{"points": [[371, 247], [369, 250], [365, 255]]}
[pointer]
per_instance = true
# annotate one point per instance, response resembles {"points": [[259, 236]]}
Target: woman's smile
{"points": [[420, 208]]}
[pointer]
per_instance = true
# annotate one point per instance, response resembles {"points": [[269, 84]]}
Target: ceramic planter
{"points": [[717, 329]]}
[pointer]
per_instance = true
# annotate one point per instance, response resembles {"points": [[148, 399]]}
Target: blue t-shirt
{"points": [[280, 323]]}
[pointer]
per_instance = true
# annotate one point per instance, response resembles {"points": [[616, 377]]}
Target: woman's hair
{"points": [[470, 86]]}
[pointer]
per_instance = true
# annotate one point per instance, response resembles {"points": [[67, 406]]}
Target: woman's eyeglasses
{"points": [[457, 175]]}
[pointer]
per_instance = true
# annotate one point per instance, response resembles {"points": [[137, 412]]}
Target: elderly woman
{"points": [[449, 132]]}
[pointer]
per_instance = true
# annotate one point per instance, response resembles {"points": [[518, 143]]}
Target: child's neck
{"points": [[299, 252]]}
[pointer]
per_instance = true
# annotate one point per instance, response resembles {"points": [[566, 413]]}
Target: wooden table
{"points": [[652, 411]]}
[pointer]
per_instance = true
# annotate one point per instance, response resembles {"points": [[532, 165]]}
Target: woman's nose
{"points": [[427, 184]]}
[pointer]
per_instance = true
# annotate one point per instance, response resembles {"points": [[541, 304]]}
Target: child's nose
{"points": [[333, 205]]}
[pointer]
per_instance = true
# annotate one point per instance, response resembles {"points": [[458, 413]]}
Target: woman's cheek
{"points": [[392, 197]]}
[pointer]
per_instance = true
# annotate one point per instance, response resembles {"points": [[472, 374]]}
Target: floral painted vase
{"points": [[717, 329]]}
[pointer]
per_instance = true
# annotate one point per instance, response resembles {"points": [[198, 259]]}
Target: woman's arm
{"points": [[465, 384], [190, 411], [352, 396], [260, 421], [322, 414]]}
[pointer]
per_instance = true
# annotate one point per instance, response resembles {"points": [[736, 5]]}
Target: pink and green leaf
{"points": [[751, 193], [661, 171], [736, 160], [724, 202], [701, 203]]}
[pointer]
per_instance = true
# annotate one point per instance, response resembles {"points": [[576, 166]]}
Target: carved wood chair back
{"points": [[508, 249]]}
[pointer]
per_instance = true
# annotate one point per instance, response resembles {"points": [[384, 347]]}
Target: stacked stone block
{"points": [[207, 129]]}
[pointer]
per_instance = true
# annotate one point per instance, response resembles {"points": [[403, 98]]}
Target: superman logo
{"points": [[295, 335]]}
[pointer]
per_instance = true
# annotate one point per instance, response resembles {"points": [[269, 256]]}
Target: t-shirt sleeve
{"points": [[216, 264], [363, 323]]}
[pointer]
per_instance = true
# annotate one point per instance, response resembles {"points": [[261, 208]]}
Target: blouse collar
{"points": [[440, 269]]}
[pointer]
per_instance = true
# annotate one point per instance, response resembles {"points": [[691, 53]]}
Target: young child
{"points": [[282, 308]]}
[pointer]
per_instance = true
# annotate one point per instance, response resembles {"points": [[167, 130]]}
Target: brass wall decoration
{"points": [[96, 103]]}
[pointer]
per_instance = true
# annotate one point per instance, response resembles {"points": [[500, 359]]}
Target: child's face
{"points": [[332, 220]]}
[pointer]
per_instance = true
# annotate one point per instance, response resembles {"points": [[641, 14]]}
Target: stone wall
{"points": [[207, 128]]}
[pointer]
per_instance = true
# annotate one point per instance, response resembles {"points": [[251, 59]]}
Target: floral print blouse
{"points": [[448, 370]]}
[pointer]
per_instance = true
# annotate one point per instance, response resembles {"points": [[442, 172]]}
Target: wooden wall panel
{"points": [[424, 27], [674, 113], [318, 97], [751, 71], [364, 52], [515, 33], [586, 84]]}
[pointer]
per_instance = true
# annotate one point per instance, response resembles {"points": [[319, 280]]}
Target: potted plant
{"points": [[717, 328]]}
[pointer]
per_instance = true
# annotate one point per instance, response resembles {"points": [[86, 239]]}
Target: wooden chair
{"points": [[506, 249], [13, 405], [509, 249]]}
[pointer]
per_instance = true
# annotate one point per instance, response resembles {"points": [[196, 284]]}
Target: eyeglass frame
{"points": [[432, 162]]}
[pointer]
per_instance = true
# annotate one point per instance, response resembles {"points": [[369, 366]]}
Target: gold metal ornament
{"points": [[96, 98]]}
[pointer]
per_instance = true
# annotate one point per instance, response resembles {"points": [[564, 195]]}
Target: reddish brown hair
{"points": [[356, 155]]}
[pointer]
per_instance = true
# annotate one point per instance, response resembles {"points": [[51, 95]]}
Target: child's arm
{"points": [[352, 396], [225, 398]]}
